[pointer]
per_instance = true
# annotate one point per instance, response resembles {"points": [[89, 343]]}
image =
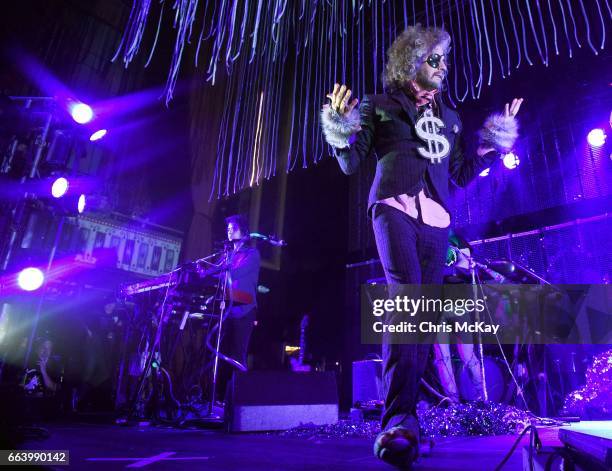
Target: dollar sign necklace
{"points": [[428, 128]]}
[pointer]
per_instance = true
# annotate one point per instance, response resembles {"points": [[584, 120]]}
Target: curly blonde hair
{"points": [[408, 52]]}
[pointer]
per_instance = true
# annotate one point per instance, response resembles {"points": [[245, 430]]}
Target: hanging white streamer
{"points": [[299, 48]]}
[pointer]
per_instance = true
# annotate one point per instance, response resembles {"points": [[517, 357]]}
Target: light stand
{"points": [[17, 213]]}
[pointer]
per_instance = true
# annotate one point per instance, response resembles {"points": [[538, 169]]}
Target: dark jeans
{"points": [[411, 253], [234, 344]]}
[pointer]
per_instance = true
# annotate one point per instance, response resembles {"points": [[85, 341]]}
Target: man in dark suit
{"points": [[416, 139]]}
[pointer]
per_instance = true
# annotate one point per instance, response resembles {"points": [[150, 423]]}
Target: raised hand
{"points": [[340, 99], [513, 108], [498, 132]]}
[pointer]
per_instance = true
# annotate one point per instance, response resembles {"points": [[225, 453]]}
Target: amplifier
{"points": [[280, 400], [367, 381]]}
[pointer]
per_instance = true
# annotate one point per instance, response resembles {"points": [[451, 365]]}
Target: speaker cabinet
{"points": [[280, 400], [367, 381]]}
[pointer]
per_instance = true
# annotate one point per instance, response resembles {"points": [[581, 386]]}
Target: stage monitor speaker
{"points": [[591, 439], [367, 381], [280, 400]]}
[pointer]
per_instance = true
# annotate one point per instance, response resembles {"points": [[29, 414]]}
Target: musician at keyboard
{"points": [[244, 262]]}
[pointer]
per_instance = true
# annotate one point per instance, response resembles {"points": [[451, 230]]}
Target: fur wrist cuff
{"points": [[337, 128], [500, 132]]}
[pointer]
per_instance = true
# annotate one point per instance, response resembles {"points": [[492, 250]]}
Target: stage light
{"points": [[73, 203], [511, 160], [59, 187], [96, 136], [596, 137], [485, 172], [81, 203], [30, 279], [81, 113]]}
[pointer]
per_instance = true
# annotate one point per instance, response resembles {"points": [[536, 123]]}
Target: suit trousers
{"points": [[411, 252], [234, 344]]}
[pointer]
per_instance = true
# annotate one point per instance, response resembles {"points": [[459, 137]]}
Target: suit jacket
{"points": [[387, 121], [244, 270]]}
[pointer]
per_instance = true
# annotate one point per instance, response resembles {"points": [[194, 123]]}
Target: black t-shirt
{"points": [[33, 382]]}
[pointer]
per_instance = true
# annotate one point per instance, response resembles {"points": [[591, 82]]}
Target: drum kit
{"points": [[507, 370]]}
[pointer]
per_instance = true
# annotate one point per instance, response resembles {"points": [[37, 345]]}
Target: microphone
{"points": [[269, 239], [498, 277]]}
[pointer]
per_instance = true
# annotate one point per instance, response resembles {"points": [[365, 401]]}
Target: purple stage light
{"points": [[485, 172], [511, 160], [59, 187], [596, 137], [81, 204], [99, 134], [81, 113], [30, 279]]}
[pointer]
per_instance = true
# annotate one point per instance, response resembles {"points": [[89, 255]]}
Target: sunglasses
{"points": [[434, 60]]}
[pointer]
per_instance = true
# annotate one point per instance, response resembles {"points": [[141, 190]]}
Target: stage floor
{"points": [[116, 447]]}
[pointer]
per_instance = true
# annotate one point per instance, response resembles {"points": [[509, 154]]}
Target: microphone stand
{"points": [[472, 268], [226, 279]]}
